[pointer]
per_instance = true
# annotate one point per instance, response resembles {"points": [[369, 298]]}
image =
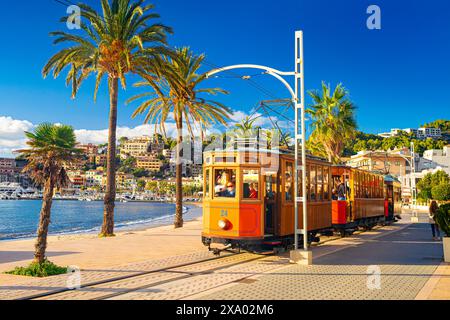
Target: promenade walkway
{"points": [[408, 260], [405, 258]]}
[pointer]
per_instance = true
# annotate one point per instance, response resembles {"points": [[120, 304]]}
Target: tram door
{"points": [[270, 202]]}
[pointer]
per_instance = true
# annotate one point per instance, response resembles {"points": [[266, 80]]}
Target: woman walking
{"points": [[431, 215]]}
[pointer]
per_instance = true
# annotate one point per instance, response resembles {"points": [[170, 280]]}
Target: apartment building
{"points": [[393, 163], [135, 147], [149, 163]]}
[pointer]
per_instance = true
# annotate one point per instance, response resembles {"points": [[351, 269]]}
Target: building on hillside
{"points": [[149, 163], [11, 171], [100, 160], [393, 163], [124, 181], [77, 179], [8, 169], [139, 146], [438, 158], [421, 133], [88, 149]]}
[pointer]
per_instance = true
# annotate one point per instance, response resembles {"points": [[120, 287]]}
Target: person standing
{"points": [[431, 215]]}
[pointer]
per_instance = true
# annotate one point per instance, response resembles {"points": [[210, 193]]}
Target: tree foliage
{"points": [[333, 121], [434, 186]]}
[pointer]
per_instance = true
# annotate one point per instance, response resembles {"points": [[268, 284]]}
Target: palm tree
{"points": [[179, 96], [51, 149], [246, 128], [333, 120], [114, 43]]}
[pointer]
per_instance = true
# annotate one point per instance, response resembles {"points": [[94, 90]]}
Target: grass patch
{"points": [[35, 269]]}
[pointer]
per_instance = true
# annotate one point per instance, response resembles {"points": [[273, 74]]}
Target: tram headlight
{"points": [[224, 224]]}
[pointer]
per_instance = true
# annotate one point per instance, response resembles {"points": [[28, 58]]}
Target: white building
{"points": [[421, 133], [439, 158]]}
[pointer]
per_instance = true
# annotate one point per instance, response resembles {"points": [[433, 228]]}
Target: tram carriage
{"points": [[358, 199], [249, 198], [393, 198]]}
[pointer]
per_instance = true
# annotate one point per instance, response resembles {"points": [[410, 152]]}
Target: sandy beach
{"points": [[88, 251]]}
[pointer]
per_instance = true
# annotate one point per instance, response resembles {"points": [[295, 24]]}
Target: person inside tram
{"points": [[340, 189], [231, 190], [334, 195], [219, 188], [253, 192]]}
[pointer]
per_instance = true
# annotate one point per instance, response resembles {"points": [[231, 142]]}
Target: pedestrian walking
{"points": [[434, 226]]}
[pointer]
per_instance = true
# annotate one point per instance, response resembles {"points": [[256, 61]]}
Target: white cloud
{"points": [[12, 131], [12, 135]]}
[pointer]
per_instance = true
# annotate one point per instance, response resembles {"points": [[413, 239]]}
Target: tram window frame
{"points": [[313, 182], [207, 183], [319, 183], [356, 184], [326, 183], [258, 174], [284, 185], [308, 170], [224, 159], [234, 172]]}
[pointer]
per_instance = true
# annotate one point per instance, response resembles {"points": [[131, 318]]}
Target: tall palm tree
{"points": [[118, 41], [180, 97], [51, 150], [333, 120]]}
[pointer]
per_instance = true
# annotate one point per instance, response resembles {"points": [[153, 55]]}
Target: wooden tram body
{"points": [[246, 219], [363, 203], [249, 198], [393, 198]]}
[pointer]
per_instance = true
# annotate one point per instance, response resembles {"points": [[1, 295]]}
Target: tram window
{"points": [[319, 183], [300, 183], [289, 182], [225, 183], [271, 187], [326, 185], [308, 170], [250, 182], [312, 184], [225, 159], [207, 182]]}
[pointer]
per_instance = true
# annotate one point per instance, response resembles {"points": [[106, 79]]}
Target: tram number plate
{"points": [[224, 213]]}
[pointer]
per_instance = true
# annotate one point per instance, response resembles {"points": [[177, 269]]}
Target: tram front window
{"points": [[250, 184], [225, 183]]}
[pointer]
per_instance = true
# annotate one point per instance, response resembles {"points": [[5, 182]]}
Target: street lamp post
{"points": [[298, 98]]}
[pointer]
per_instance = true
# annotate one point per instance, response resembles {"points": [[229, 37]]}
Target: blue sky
{"points": [[398, 76]]}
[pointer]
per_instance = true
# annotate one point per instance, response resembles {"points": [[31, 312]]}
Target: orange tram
{"points": [[249, 199]]}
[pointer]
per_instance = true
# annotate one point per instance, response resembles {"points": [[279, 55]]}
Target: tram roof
{"points": [[271, 151]]}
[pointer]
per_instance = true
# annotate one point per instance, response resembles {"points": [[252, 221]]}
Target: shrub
{"points": [[443, 218], [35, 269], [441, 192]]}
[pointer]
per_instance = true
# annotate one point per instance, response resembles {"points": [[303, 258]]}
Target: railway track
{"points": [[125, 285]]}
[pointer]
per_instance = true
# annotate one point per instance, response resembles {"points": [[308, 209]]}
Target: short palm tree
{"points": [[180, 97], [51, 150], [333, 120], [114, 43], [246, 128]]}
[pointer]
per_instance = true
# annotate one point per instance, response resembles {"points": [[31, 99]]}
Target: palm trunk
{"points": [[44, 221], [179, 171], [110, 195]]}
